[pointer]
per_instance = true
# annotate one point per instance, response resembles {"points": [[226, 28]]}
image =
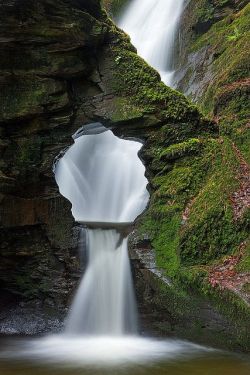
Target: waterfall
{"points": [[152, 26], [105, 302], [104, 180]]}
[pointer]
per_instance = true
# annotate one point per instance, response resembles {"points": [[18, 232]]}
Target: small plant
{"points": [[118, 59], [235, 36]]}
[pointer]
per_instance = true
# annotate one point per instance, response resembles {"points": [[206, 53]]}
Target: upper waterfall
{"points": [[152, 26]]}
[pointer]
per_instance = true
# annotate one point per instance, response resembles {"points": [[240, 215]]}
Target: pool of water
{"points": [[54, 355]]}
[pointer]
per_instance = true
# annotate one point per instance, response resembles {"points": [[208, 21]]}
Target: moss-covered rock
{"points": [[214, 68], [115, 7]]}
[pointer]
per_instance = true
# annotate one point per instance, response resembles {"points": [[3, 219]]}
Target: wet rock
{"points": [[30, 321], [164, 308]]}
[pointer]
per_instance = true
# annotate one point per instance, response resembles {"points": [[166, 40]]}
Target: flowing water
{"points": [[152, 26], [104, 179], [104, 303]]}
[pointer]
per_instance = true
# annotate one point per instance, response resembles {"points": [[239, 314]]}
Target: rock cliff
{"points": [[214, 64], [64, 64]]}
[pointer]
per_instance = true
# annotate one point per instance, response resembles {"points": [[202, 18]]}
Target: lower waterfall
{"points": [[105, 302]]}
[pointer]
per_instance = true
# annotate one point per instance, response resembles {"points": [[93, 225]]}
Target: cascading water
{"points": [[152, 26], [104, 179], [105, 301]]}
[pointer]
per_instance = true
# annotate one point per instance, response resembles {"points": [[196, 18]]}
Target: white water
{"points": [[104, 180], [152, 26], [104, 303], [104, 177], [102, 352]]}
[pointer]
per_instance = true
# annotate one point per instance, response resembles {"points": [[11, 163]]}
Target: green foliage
{"points": [[165, 236], [201, 171], [210, 230], [206, 12], [235, 36], [192, 146]]}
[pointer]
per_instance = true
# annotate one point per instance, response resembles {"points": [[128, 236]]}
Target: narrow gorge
{"points": [[124, 204]]}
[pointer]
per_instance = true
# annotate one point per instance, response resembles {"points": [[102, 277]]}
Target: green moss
{"points": [[165, 237], [192, 146], [124, 111], [233, 51], [141, 85], [234, 109], [200, 172], [172, 190], [27, 96], [28, 154], [225, 301], [211, 230], [226, 95]]}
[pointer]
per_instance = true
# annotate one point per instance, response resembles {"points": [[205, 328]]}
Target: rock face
{"points": [[64, 64], [213, 66], [44, 49], [56, 75], [166, 310], [214, 72], [115, 7]]}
